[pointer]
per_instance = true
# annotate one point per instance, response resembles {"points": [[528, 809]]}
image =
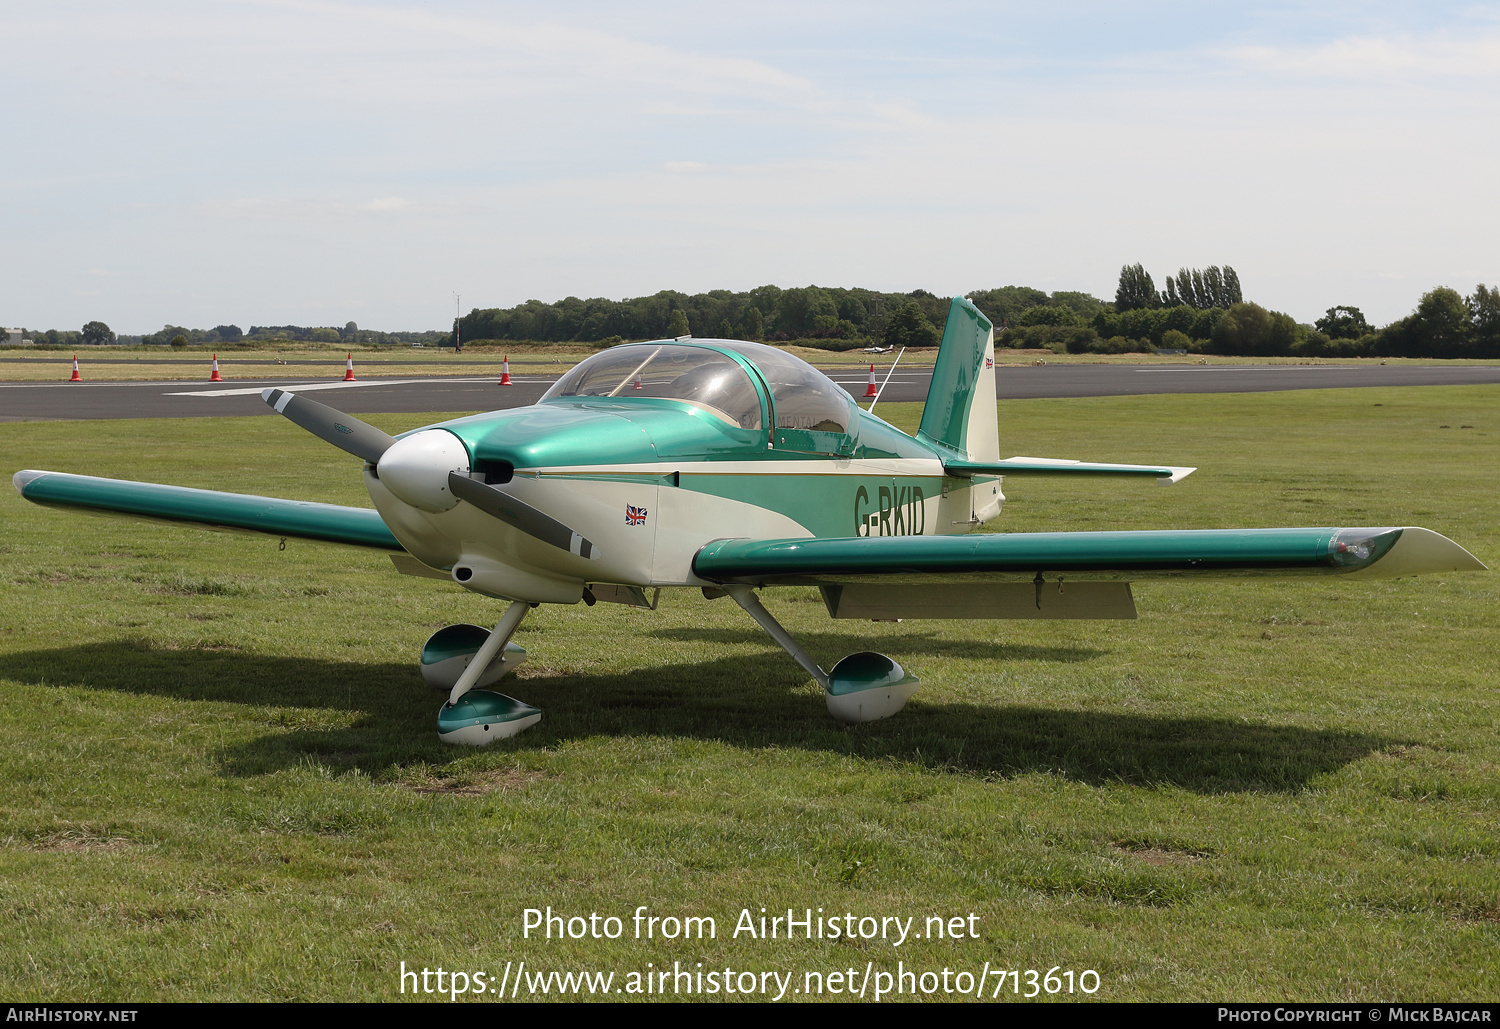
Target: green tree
{"points": [[754, 324], [853, 309], [909, 327], [1135, 289], [1085, 304], [1251, 330], [1484, 312], [726, 331], [1203, 288], [1443, 325], [1343, 323], [1232, 292], [1006, 303], [1048, 314], [677, 324], [806, 311], [179, 341], [229, 333], [96, 334]]}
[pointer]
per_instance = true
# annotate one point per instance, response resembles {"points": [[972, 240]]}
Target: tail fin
{"points": [[960, 415]]}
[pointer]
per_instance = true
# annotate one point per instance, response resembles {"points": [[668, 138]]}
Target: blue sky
{"points": [[311, 162]]}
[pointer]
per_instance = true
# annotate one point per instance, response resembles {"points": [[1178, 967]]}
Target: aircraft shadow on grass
{"points": [[826, 644], [742, 701]]}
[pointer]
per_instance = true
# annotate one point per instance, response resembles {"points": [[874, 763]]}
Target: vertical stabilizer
{"points": [[960, 415]]}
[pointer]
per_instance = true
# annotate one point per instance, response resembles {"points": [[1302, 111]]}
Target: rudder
{"points": [[960, 414]]}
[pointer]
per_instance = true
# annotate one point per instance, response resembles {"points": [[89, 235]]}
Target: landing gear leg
{"points": [[862, 687], [477, 717], [746, 598]]}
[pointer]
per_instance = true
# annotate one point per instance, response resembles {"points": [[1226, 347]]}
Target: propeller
{"points": [[427, 469], [345, 432], [523, 516]]}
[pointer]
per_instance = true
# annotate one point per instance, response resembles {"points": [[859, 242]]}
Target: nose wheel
{"points": [[478, 717], [482, 716]]}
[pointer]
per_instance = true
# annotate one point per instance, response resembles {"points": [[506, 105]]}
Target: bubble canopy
{"points": [[708, 378]]}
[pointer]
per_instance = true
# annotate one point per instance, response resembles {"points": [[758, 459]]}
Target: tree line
{"points": [[1204, 311], [834, 317], [1199, 310], [97, 333]]}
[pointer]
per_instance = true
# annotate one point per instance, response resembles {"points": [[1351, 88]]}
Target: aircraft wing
{"points": [[1025, 556], [302, 519]]}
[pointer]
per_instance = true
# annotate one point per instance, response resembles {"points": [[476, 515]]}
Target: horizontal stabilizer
{"points": [[1210, 553], [301, 519], [1165, 475]]}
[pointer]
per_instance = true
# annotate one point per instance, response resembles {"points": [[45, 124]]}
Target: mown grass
{"points": [[221, 777]]}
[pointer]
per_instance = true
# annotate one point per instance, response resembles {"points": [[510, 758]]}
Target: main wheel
{"points": [[865, 687]]}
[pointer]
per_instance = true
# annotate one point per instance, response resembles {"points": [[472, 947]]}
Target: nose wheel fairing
{"points": [[473, 716], [482, 716]]}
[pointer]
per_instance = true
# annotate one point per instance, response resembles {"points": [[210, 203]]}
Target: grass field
{"points": [[220, 777]]}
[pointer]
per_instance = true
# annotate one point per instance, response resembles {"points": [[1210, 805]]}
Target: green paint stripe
{"points": [[825, 505]]}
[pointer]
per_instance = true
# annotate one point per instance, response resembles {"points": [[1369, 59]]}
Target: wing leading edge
{"points": [[1002, 557], [302, 519]]}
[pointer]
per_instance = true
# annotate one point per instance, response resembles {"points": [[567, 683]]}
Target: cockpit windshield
{"points": [[805, 398], [703, 378]]}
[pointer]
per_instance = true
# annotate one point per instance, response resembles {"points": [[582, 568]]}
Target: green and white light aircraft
{"points": [[727, 466]]}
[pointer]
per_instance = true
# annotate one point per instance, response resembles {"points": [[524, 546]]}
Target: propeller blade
{"points": [[344, 431], [528, 519]]}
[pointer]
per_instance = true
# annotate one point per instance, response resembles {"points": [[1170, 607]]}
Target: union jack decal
{"points": [[989, 362], [635, 515]]}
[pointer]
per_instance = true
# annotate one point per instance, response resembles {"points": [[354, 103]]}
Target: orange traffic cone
{"points": [[349, 369], [505, 371], [76, 377], [638, 383], [870, 390], [216, 377]]}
